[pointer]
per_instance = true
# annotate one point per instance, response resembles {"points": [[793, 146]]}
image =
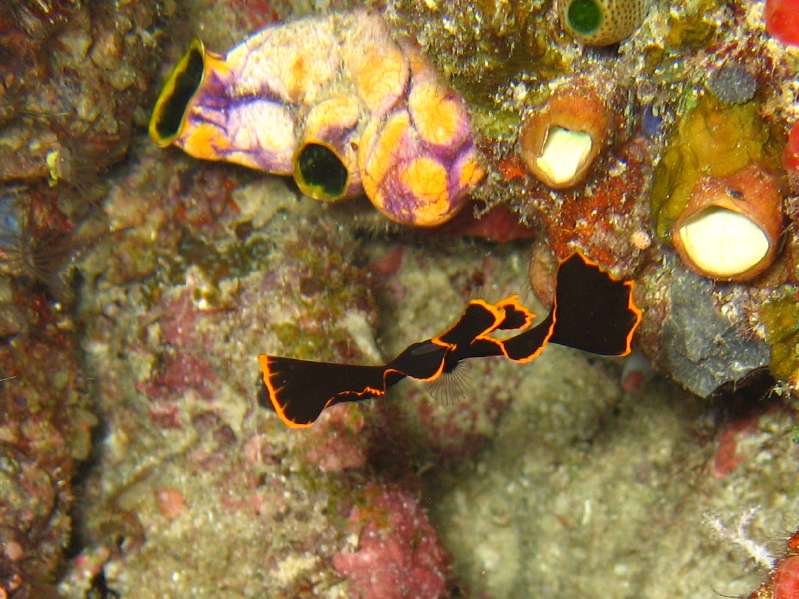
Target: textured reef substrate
{"points": [[138, 285]]}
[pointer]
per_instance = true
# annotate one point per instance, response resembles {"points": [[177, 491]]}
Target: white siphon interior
{"points": [[722, 242], [564, 152]]}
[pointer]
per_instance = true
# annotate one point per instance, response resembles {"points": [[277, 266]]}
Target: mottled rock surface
{"points": [[703, 348]]}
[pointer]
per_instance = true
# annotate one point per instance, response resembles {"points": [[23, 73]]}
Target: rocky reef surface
{"points": [[138, 285]]}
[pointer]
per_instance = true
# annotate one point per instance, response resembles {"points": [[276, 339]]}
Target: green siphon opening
{"points": [[584, 16], [320, 173], [184, 81]]}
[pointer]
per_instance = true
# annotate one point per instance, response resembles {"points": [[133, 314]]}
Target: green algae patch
{"points": [[781, 318], [692, 29], [712, 139], [234, 260], [483, 47], [496, 124], [490, 118], [302, 343]]}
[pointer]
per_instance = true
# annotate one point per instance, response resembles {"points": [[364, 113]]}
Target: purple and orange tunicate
{"points": [[353, 112]]}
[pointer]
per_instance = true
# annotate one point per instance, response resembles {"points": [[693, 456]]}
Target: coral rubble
{"points": [[74, 78]]}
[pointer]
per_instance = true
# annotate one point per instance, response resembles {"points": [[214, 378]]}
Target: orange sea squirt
{"points": [[559, 141], [731, 227]]}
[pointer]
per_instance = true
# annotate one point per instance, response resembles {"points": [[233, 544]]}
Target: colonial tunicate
{"points": [[353, 112]]}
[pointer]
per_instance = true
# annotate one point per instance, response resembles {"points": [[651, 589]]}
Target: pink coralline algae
{"points": [[398, 556], [336, 443], [180, 373], [727, 458], [253, 14], [180, 319]]}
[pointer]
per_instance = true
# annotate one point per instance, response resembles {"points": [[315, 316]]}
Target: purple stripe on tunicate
{"points": [[264, 92], [408, 148], [210, 103], [242, 128], [219, 92], [402, 96], [205, 117], [457, 190], [226, 104], [214, 92], [237, 103], [398, 200], [193, 121], [210, 116]]}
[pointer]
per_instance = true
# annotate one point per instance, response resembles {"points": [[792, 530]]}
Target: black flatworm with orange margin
{"points": [[592, 311]]}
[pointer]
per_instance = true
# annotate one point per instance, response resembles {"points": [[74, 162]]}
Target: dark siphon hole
{"points": [[186, 83], [585, 16], [321, 172]]}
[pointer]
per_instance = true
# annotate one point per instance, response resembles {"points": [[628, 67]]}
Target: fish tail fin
{"points": [[453, 386], [593, 311], [298, 390]]}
